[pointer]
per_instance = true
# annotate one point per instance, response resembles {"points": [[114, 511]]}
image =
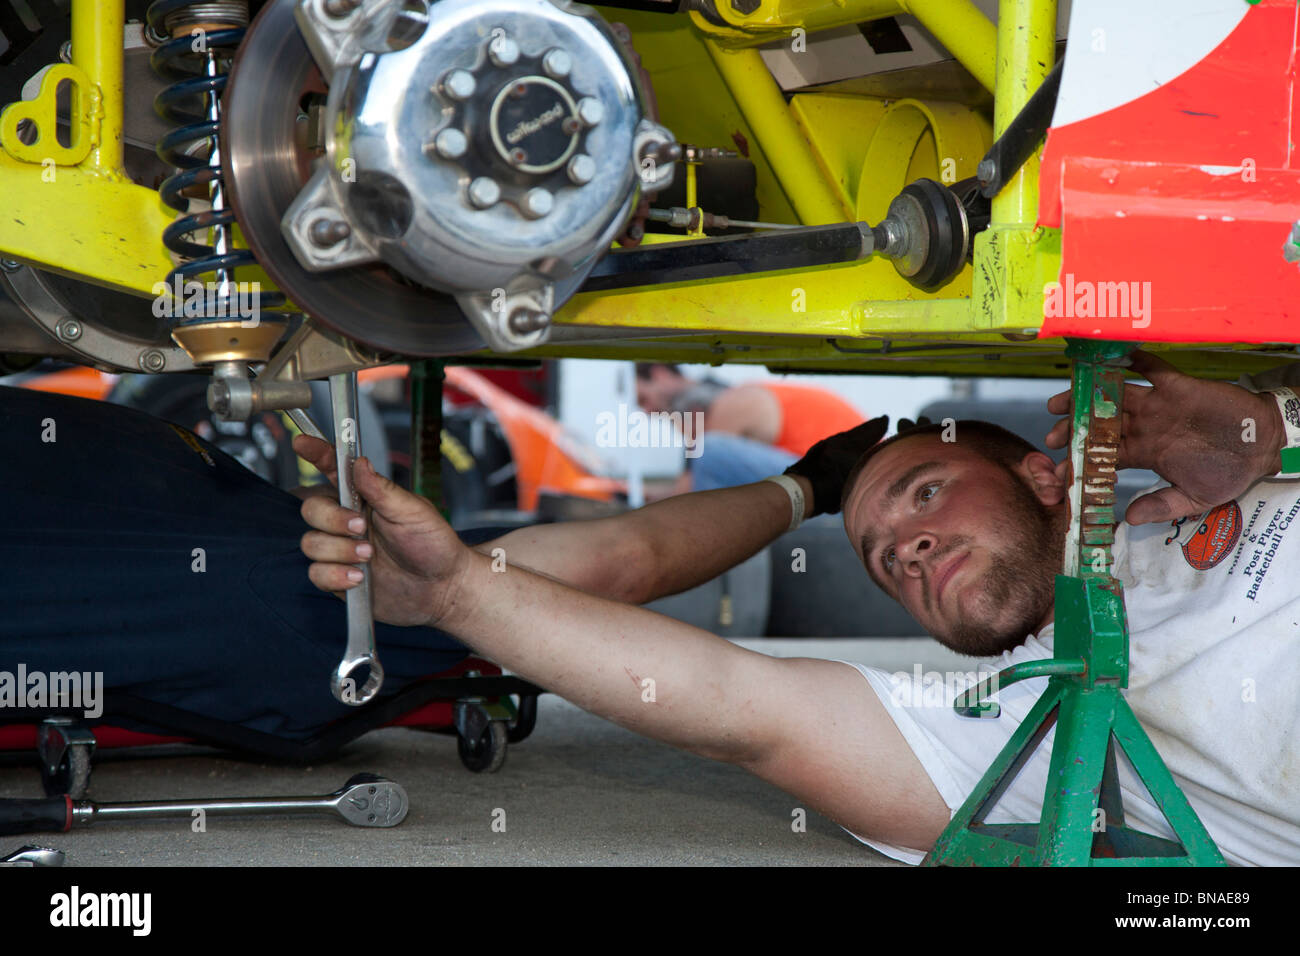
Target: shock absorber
{"points": [[217, 322]]}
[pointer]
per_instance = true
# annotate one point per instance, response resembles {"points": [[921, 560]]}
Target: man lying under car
{"points": [[968, 536]]}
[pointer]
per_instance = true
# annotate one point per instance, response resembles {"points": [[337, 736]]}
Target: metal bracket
{"points": [[313, 352], [42, 115]]}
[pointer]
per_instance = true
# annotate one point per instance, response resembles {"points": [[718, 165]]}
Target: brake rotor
{"points": [[266, 165]]}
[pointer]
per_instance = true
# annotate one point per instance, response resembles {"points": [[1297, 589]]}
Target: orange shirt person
{"points": [[754, 430]]}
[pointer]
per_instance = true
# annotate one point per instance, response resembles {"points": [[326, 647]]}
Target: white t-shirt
{"points": [[1214, 678]]}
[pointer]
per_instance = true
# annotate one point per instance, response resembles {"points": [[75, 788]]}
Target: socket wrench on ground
{"points": [[366, 800], [360, 652], [33, 856]]}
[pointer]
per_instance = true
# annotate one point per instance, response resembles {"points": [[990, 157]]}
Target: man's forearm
{"points": [[647, 672], [661, 549]]}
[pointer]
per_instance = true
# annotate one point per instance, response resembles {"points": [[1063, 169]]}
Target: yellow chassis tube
{"points": [[86, 219], [959, 25]]}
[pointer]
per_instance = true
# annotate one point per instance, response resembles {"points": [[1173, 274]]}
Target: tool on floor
{"points": [[33, 856], [360, 654], [366, 800]]}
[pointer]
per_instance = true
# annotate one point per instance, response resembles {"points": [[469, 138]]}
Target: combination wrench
{"points": [[366, 800], [360, 652]]}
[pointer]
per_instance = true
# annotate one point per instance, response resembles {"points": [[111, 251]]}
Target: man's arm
{"points": [[810, 727], [661, 549], [749, 411], [1210, 440]]}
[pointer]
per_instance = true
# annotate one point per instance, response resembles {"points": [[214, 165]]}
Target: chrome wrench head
{"points": [[370, 801], [40, 856], [360, 650]]}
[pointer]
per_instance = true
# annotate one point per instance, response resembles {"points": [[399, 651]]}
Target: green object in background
{"points": [[1082, 821], [426, 431]]}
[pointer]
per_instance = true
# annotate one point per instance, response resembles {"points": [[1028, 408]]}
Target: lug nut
{"points": [[591, 110], [459, 84], [557, 64], [582, 169], [503, 51], [523, 321], [450, 143], [340, 8], [329, 232], [484, 192], [537, 203]]}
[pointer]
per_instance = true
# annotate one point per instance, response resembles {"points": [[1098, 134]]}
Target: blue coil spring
{"points": [[171, 104]]}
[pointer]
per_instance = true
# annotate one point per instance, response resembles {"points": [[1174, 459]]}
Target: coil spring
{"points": [[194, 128]]}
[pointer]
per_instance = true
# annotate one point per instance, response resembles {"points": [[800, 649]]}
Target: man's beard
{"points": [[1021, 581]]}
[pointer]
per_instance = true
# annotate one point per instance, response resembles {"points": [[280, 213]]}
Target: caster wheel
{"points": [[488, 752], [525, 718], [73, 775]]}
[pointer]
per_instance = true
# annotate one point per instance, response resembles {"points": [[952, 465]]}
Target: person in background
{"points": [[752, 430]]}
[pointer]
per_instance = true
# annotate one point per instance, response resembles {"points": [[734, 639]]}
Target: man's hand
{"points": [[1193, 433], [828, 463], [414, 555]]}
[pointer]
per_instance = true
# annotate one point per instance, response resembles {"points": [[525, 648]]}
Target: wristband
{"points": [[1288, 404], [797, 502]]}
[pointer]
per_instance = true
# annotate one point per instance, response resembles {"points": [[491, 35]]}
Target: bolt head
{"points": [[459, 84], [450, 143], [591, 111], [557, 63], [503, 51], [582, 169], [329, 232], [523, 321], [986, 170], [537, 203], [484, 192], [69, 330], [340, 8]]}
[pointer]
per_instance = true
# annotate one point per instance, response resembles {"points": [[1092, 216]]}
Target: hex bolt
{"points": [[503, 51], [591, 110], [69, 330], [557, 63], [665, 152], [484, 192], [10, 265], [986, 170], [450, 143], [151, 360], [537, 203], [523, 321], [459, 84], [219, 397], [329, 232], [340, 8], [582, 169]]}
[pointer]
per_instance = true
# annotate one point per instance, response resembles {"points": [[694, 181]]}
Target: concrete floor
{"points": [[578, 791]]}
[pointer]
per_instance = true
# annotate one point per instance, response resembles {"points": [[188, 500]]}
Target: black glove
{"points": [[906, 424], [828, 463]]}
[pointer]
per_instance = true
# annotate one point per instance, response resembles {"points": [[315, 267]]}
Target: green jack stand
{"points": [[1082, 822]]}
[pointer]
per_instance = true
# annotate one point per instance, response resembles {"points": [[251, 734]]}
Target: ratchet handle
{"points": [[42, 815]]}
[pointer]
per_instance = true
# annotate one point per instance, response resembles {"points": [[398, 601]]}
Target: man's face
{"points": [[656, 393], [964, 545]]}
